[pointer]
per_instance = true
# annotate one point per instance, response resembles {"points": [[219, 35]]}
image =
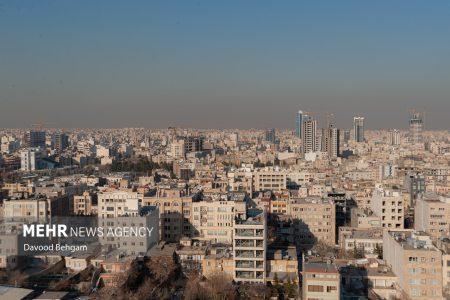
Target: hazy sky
{"points": [[222, 64]]}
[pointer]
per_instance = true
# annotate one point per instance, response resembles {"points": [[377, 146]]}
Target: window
{"points": [[315, 288], [331, 289]]}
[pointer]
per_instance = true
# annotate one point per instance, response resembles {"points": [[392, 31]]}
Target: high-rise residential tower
{"points": [[358, 127], [60, 142], [309, 136], [332, 141], [301, 117], [415, 128], [394, 137]]}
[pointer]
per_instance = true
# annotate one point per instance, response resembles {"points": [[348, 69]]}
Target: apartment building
{"points": [[320, 281], [364, 218], [443, 244], [36, 208], [118, 203], [84, 204], [432, 214], [33, 209], [219, 260], [313, 220], [212, 220], [364, 240], [249, 249], [269, 179], [388, 205], [142, 230], [282, 262], [415, 261], [175, 213]]}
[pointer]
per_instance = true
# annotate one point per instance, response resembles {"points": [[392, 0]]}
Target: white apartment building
{"points": [[212, 220], [249, 249], [269, 179], [29, 159], [118, 203]]}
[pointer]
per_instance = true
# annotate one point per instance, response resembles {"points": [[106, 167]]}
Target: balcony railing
{"points": [[245, 264]]}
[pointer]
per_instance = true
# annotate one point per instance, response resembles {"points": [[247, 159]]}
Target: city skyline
{"points": [[222, 65]]}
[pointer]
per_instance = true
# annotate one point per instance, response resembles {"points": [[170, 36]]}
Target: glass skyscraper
{"points": [[300, 118]]}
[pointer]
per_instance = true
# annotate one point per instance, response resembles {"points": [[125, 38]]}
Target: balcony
{"points": [[245, 243], [245, 254], [245, 275], [245, 264]]}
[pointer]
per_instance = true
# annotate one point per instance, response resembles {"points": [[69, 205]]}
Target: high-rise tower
{"points": [[300, 118], [415, 128], [358, 127], [309, 135]]}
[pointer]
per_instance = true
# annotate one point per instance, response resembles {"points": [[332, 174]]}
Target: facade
{"points": [[346, 136], [177, 149], [270, 135], [269, 179], [193, 143], [388, 205], [332, 140], [145, 223], [313, 220], [283, 262], [30, 159], [212, 220], [309, 136], [35, 139], [364, 218], [443, 244], [415, 128], [432, 214], [60, 142], [118, 203], [34, 209], [249, 249], [415, 261], [394, 137], [363, 240], [299, 119], [320, 281], [83, 204], [358, 129], [175, 213]]}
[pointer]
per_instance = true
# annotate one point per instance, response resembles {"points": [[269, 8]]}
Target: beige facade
{"points": [[82, 205], [218, 261], [320, 281], [35, 209], [314, 219], [212, 220], [443, 244], [269, 179], [175, 213], [282, 262], [432, 214], [415, 261], [366, 240], [364, 218], [388, 205]]}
